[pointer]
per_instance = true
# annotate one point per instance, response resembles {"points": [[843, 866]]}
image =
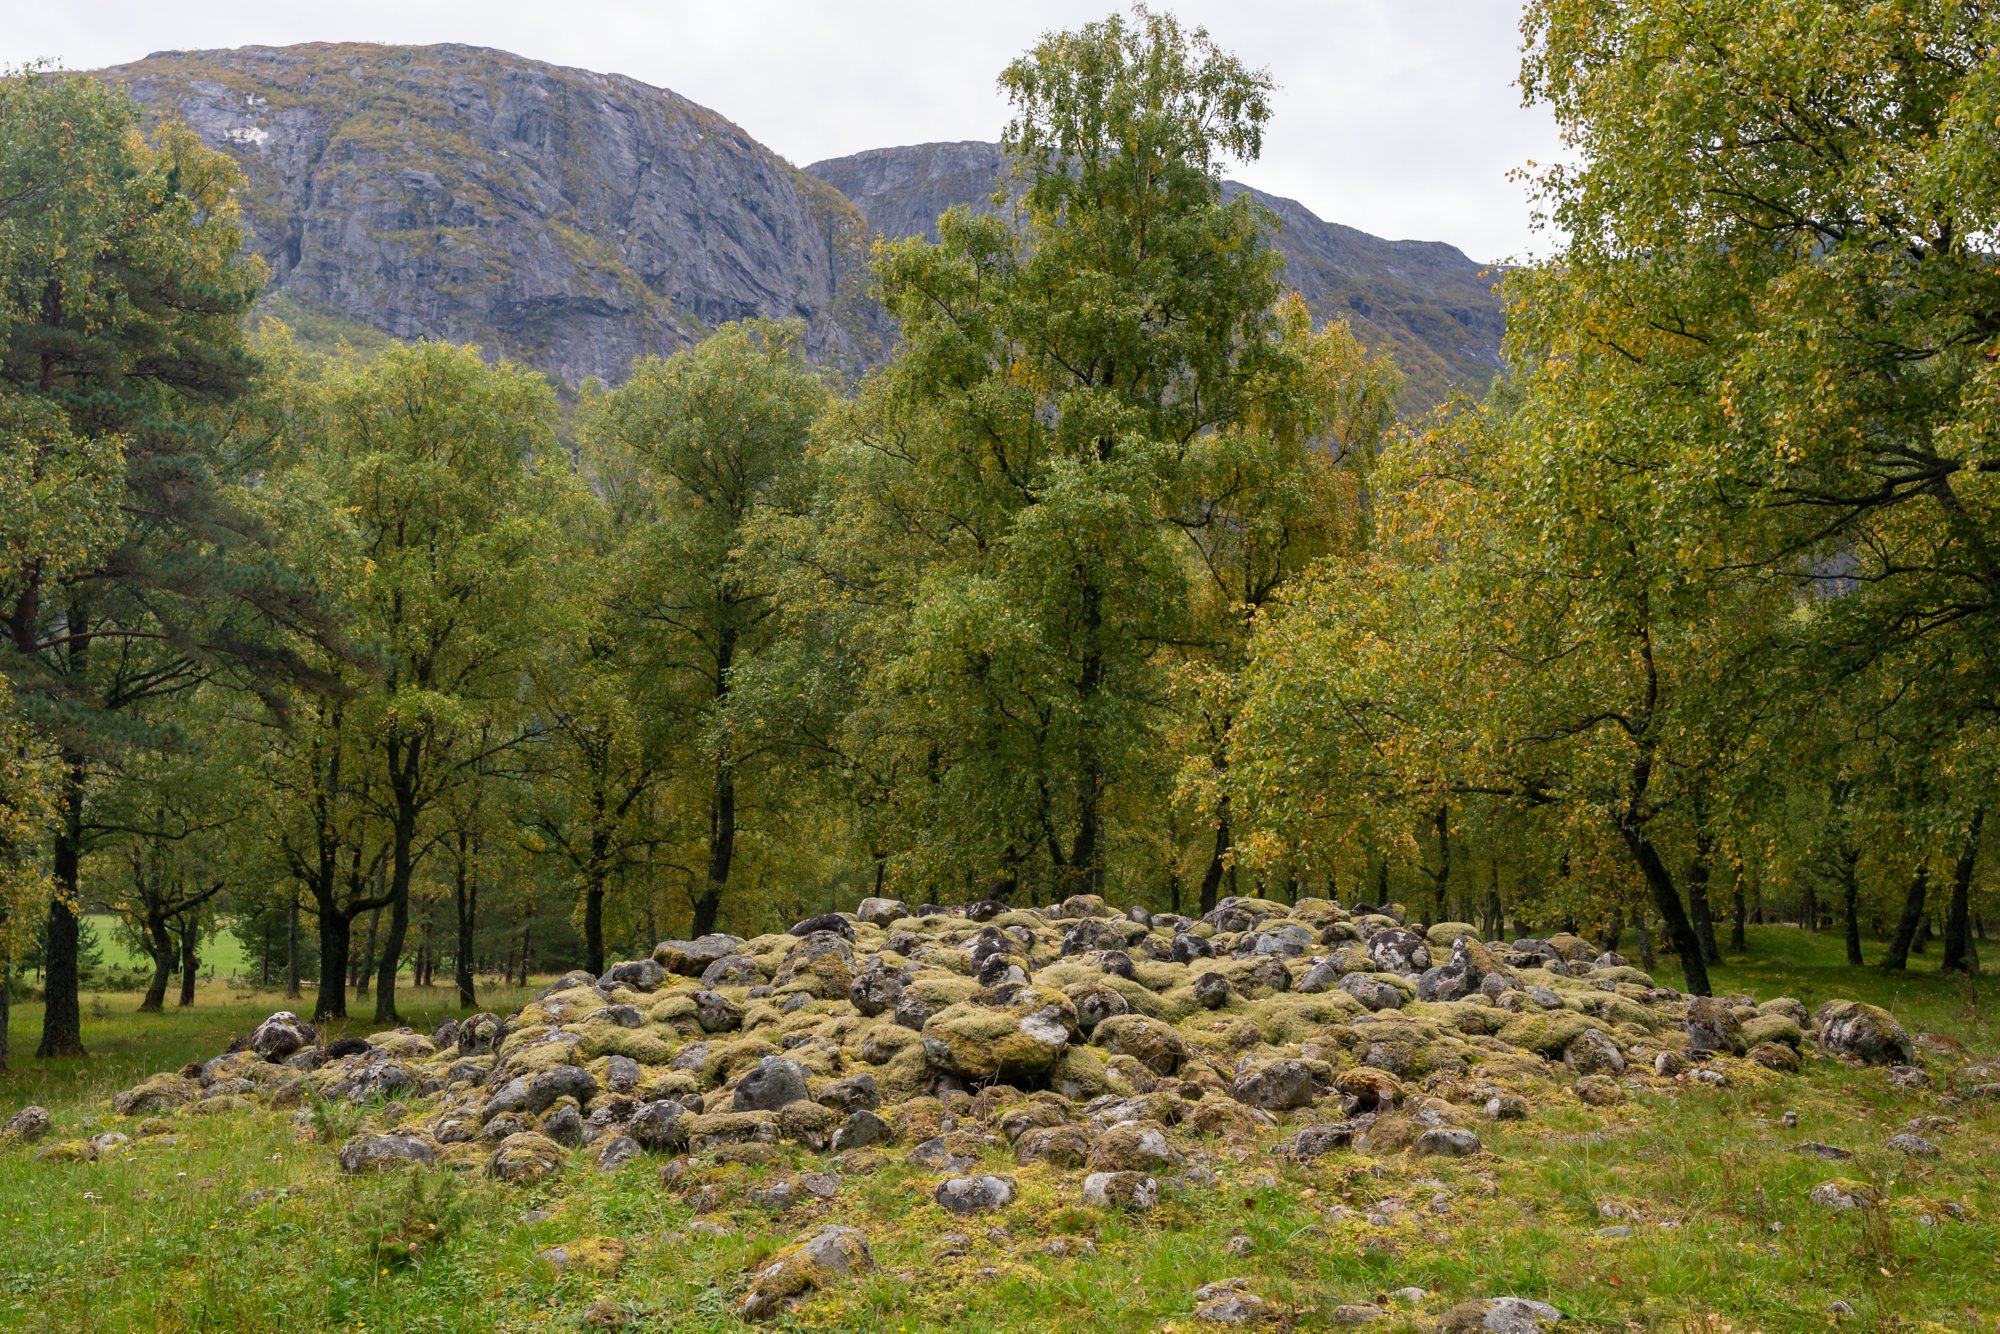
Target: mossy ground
{"points": [[162, 1237]]}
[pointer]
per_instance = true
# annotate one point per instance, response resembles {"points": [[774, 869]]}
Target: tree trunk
{"points": [[1680, 931], [335, 935], [595, 875], [293, 990], [392, 958], [1958, 953], [6, 1009], [1211, 879], [1086, 859], [465, 904], [1850, 902], [1441, 826], [1739, 939], [1897, 957], [402, 863], [160, 944], [364, 967], [190, 963], [721, 850], [1649, 958], [1702, 914], [62, 1013]]}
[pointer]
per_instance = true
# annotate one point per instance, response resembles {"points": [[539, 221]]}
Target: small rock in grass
{"points": [[772, 1083], [1825, 1152], [607, 1314], [1448, 1142], [376, 1153], [1598, 1091], [972, 1195], [617, 1151], [1499, 1315], [1865, 1033], [1229, 1302], [26, 1126], [828, 1254], [1841, 1194], [1133, 1191], [1914, 1145], [525, 1158]]}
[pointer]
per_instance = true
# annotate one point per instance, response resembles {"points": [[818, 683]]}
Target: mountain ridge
{"points": [[576, 220]]}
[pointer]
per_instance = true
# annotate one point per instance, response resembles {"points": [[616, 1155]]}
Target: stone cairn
{"points": [[1110, 1045]]}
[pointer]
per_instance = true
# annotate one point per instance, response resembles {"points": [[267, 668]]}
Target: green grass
{"points": [[221, 956], [163, 1237]]}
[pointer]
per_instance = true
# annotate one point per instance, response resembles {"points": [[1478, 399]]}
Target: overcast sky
{"points": [[1396, 116]]}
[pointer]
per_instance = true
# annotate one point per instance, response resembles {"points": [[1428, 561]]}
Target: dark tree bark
{"points": [[1847, 867], [62, 1013], [721, 851], [1613, 931], [1218, 858], [1680, 931], [595, 875], [160, 946], [1958, 953], [190, 960], [465, 908], [335, 934], [364, 966], [6, 1009], [1739, 939], [406, 759], [1441, 884], [1699, 909], [293, 990], [1897, 956], [392, 959]]}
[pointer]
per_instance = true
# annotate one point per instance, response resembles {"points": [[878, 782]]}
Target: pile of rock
{"points": [[1099, 1043]]}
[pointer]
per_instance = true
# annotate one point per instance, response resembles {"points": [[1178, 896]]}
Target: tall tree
{"points": [[1000, 524], [428, 486], [123, 291], [711, 436]]}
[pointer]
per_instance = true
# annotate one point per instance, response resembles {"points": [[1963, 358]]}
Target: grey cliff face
{"points": [[572, 220], [1423, 300], [578, 221]]}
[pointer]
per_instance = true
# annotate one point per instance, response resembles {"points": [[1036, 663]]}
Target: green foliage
{"points": [[417, 1221]]}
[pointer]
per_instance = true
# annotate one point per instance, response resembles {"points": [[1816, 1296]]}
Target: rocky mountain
{"points": [[575, 220], [1424, 300], [569, 219]]}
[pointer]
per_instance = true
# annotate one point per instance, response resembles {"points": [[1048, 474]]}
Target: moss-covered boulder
{"points": [[160, 1093], [526, 1157], [1866, 1033], [1015, 1031], [1155, 1045]]}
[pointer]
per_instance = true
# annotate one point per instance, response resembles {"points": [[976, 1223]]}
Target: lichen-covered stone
{"points": [[1866, 1033], [525, 1158]]}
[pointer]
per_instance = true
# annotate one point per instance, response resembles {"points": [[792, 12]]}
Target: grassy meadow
{"points": [[241, 1221]]}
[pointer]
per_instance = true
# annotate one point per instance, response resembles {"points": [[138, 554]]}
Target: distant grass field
{"points": [[172, 1235], [221, 955]]}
